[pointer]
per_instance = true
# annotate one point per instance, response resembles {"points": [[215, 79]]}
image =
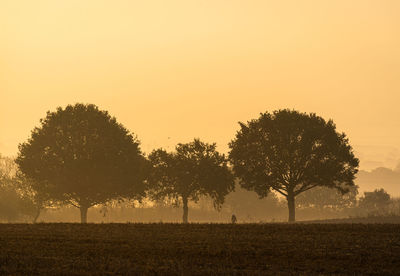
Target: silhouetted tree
{"points": [[40, 195], [291, 152], [195, 169], [376, 202], [14, 203], [83, 156]]}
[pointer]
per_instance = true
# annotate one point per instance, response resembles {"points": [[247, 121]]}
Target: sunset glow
{"points": [[174, 70]]}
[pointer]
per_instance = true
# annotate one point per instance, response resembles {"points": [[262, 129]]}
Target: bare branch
{"points": [[305, 188], [73, 204], [279, 191]]}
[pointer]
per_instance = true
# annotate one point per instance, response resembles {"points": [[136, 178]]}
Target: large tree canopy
{"points": [[83, 156], [195, 169], [291, 152]]}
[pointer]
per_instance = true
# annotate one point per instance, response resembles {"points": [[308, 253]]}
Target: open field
{"points": [[372, 219], [68, 249]]}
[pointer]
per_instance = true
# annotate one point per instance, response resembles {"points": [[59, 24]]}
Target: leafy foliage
{"points": [[15, 205], [195, 169], [82, 156], [375, 202], [291, 152]]}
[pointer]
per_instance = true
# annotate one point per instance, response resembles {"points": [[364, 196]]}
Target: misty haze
{"points": [[199, 137]]}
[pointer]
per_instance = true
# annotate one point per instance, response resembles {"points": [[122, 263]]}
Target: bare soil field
{"points": [[372, 219], [200, 249]]}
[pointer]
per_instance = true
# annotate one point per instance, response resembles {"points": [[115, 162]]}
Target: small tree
{"points": [[40, 195], [195, 169], [291, 152], [83, 156], [376, 202], [14, 203]]}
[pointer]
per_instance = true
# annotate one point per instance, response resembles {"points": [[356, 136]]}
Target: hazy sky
{"points": [[174, 70]]}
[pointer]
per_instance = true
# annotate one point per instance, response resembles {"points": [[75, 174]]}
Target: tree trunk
{"points": [[291, 207], [83, 210], [37, 214], [185, 210]]}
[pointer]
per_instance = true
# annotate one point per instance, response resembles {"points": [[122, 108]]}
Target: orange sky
{"points": [[173, 70]]}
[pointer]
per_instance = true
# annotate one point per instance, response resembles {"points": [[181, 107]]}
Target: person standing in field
{"points": [[233, 219]]}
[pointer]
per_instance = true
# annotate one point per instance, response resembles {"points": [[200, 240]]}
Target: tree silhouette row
{"points": [[80, 155]]}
